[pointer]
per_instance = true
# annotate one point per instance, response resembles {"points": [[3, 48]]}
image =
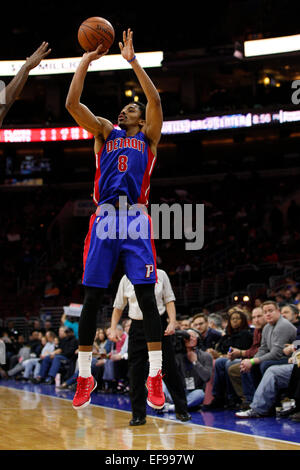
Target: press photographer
{"points": [[194, 365]]}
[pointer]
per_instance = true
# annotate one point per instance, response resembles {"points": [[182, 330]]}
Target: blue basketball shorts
{"points": [[111, 237]]}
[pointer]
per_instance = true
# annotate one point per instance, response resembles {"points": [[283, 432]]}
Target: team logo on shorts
{"points": [[149, 269]]}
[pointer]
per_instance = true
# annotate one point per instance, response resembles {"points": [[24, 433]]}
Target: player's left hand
{"points": [[126, 47], [38, 56]]}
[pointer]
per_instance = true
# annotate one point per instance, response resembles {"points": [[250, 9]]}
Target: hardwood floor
{"points": [[37, 422]]}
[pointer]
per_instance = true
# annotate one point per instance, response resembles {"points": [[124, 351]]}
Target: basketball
{"points": [[95, 31]]}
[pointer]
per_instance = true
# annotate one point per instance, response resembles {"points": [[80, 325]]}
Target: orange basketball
{"points": [[95, 31]]}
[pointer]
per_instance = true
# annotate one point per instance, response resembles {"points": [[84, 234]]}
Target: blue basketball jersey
{"points": [[123, 167]]}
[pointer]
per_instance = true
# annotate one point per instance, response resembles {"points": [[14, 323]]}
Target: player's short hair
{"points": [[142, 108]]}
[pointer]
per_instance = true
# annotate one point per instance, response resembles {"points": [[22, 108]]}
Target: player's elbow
{"points": [[69, 104], [156, 101]]}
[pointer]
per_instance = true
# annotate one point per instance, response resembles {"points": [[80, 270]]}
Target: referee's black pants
{"points": [[138, 368]]}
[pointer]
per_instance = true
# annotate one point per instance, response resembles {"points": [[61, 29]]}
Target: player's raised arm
{"points": [[14, 88], [99, 127], [154, 114]]}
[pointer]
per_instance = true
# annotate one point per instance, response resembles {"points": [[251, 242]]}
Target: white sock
{"points": [[84, 363], [155, 359]]}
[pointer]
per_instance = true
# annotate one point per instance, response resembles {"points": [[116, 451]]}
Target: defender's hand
{"points": [[38, 56]]}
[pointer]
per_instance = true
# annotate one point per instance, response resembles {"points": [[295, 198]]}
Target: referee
{"points": [[137, 347]]}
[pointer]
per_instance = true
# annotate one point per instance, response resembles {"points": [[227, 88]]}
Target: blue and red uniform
{"points": [[123, 168]]}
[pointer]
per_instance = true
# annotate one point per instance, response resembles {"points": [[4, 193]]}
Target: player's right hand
{"points": [[38, 55], [96, 54]]}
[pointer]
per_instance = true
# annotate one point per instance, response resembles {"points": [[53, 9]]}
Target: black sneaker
{"points": [[137, 421], [183, 417]]}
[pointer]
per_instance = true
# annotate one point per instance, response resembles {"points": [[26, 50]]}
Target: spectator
{"points": [[225, 319], [275, 379], [33, 365], [195, 367], [238, 335], [35, 342], [14, 342], [234, 371], [293, 389], [121, 362], [65, 353], [275, 335], [291, 313], [101, 343], [215, 322], [113, 370], [31, 349], [209, 337], [185, 322]]}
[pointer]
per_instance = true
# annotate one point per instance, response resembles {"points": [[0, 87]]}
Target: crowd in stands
{"points": [[242, 359]]}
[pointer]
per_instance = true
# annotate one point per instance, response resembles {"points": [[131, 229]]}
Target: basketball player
{"points": [[124, 161], [14, 88]]}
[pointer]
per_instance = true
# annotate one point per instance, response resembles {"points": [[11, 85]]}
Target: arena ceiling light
{"points": [[279, 45], [69, 65]]}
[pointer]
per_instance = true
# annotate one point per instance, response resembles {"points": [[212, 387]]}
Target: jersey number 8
{"points": [[122, 163]]}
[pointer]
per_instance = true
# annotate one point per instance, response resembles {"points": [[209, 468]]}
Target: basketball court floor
{"points": [[40, 417]]}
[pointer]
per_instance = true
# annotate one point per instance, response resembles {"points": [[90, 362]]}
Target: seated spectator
{"points": [[293, 389], [291, 313], [209, 337], [274, 380], [238, 335], [276, 333], [225, 320], [121, 362], [101, 343], [14, 342], [234, 371], [112, 373], [31, 349], [65, 353], [195, 368], [215, 322], [185, 322], [33, 365]]}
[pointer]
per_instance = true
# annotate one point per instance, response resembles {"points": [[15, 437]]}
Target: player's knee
{"points": [[145, 294], [93, 296]]}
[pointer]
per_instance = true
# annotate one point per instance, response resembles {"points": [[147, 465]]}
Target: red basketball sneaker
{"points": [[82, 397], [156, 397]]}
